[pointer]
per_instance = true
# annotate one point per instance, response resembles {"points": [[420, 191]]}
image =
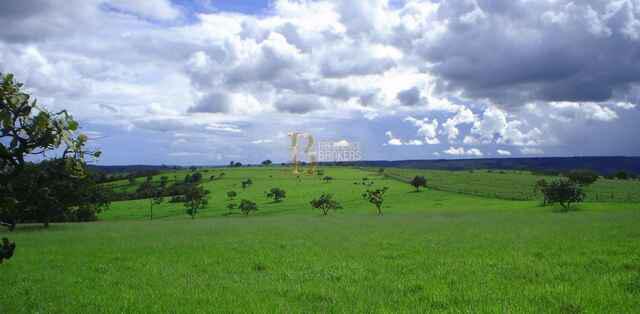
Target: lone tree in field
{"points": [[418, 181], [325, 203], [376, 197], [195, 199], [247, 206], [277, 194], [582, 177], [267, 162], [327, 179], [246, 183], [231, 195], [564, 192]]}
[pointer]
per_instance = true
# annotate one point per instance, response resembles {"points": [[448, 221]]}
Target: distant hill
{"points": [[602, 165], [130, 168]]}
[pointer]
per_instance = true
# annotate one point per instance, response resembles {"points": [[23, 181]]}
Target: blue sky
{"points": [[207, 82]]}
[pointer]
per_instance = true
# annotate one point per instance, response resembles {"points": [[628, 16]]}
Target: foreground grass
{"points": [[431, 252]]}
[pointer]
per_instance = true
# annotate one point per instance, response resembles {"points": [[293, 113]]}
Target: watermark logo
{"points": [[304, 146], [310, 151], [332, 151]]}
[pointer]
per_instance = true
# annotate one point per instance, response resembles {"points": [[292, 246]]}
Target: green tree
{"points": [[622, 175], [564, 192], [195, 199], [267, 162], [376, 197], [247, 206], [418, 181], [28, 129], [327, 179], [277, 194], [325, 203], [231, 195], [246, 183]]}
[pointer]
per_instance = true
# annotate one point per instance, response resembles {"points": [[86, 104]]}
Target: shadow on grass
{"points": [[25, 228]]}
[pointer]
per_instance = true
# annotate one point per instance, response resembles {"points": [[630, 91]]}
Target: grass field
{"points": [[515, 185], [432, 251]]}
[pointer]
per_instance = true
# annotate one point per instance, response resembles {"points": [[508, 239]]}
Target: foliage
{"points": [[267, 162], [419, 181], [48, 192], [277, 194], [564, 192], [232, 195], [247, 206], [27, 129], [621, 175], [376, 197], [326, 179], [325, 203], [195, 199]]}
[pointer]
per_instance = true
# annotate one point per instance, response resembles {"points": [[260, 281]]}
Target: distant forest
{"points": [[602, 165]]}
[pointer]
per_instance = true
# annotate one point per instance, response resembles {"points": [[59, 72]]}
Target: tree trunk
{"points": [[379, 211]]}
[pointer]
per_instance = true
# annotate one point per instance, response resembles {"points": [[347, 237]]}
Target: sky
{"points": [[206, 82]]}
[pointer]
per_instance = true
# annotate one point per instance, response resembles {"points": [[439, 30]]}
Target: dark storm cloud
{"points": [[298, 104], [518, 51], [409, 97], [212, 103], [31, 20]]}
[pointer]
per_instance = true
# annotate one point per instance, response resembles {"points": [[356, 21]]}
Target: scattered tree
{"points": [[246, 183], [325, 203], [231, 207], [376, 197], [326, 179], [267, 162], [277, 194], [157, 199], [164, 180], [247, 206], [418, 181], [564, 192], [231, 195], [195, 199], [621, 175]]}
